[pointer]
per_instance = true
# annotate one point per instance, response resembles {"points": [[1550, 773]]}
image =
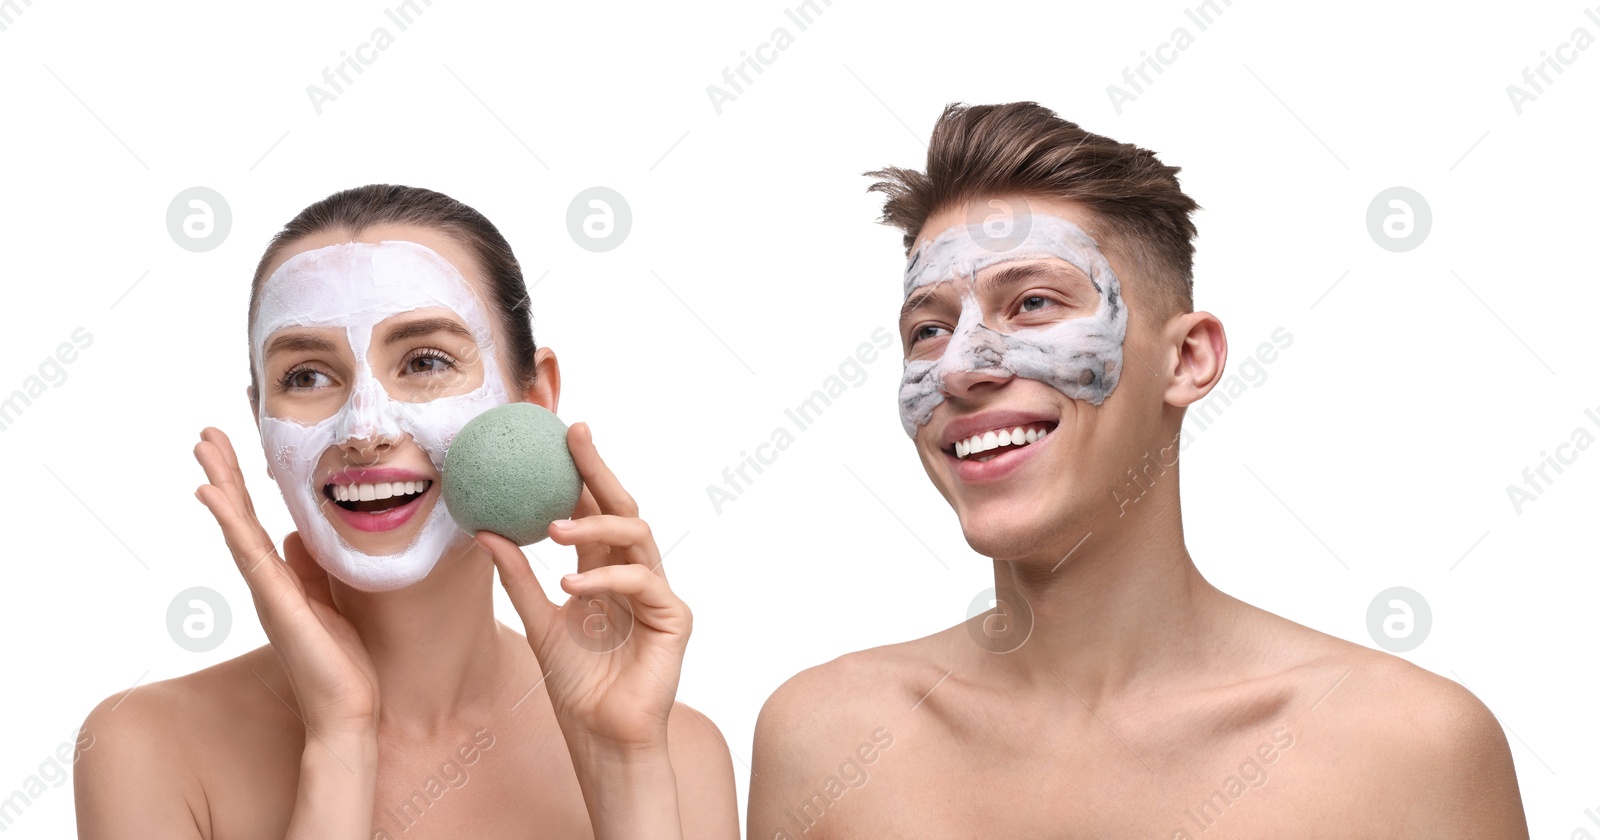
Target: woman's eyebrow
{"points": [[427, 326], [299, 343]]}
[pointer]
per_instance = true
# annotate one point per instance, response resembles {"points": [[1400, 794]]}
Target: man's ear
{"points": [[1202, 355], [546, 388]]}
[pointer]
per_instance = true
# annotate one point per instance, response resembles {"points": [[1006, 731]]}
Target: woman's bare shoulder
{"points": [[175, 716], [152, 756]]}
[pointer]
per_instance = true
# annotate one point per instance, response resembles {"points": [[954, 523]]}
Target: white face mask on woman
{"points": [[356, 286]]}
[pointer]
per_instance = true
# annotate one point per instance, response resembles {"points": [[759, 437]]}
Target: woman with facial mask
{"points": [[390, 702]]}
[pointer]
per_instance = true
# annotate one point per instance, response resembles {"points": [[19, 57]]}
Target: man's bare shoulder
{"points": [[1386, 693], [822, 733], [857, 686], [1415, 720], [1373, 724]]}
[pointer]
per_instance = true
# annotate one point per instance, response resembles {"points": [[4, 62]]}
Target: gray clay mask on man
{"points": [[1080, 357]]}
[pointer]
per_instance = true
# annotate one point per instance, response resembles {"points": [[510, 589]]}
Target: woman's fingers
{"points": [[587, 506], [591, 555], [628, 537], [252, 549], [517, 577], [250, 546], [596, 475], [218, 437], [313, 578], [229, 469], [277, 593], [653, 600]]}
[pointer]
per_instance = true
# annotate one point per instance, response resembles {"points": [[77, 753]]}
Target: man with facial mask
{"points": [[1051, 349]]}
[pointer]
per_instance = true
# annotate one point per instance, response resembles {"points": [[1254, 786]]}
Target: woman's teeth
{"points": [[1019, 436], [381, 490]]}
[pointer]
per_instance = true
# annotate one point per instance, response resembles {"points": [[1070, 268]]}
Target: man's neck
{"points": [[1125, 604]]}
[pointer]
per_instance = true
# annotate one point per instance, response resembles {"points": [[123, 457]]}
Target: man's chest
{"points": [[1263, 783]]}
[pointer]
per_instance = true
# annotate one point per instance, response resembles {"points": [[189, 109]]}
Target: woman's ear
{"points": [[255, 414], [546, 387], [1202, 355]]}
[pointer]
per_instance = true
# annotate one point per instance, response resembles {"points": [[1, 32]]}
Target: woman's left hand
{"points": [[612, 654]]}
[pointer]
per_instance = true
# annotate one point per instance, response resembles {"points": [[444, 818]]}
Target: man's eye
{"points": [[1034, 303], [926, 331]]}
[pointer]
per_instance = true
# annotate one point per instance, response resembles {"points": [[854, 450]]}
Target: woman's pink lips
{"points": [[1009, 459], [387, 520]]}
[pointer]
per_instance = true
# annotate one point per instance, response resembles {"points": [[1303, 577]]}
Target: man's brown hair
{"points": [[1025, 149]]}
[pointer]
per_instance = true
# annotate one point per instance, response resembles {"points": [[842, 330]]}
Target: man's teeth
{"points": [[381, 490], [1019, 436]]}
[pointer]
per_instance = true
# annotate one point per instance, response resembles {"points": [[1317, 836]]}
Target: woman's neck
{"points": [[439, 652]]}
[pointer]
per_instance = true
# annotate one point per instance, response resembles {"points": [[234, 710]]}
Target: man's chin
{"points": [[1000, 537], [1021, 533]]}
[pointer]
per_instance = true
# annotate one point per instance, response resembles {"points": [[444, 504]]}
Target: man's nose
{"points": [[975, 358], [965, 382]]}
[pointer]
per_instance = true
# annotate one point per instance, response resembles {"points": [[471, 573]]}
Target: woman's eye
{"points": [[429, 363], [302, 378]]}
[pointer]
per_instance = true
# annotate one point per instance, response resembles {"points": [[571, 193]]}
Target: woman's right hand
{"points": [[328, 668]]}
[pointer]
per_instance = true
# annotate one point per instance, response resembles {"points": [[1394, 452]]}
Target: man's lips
{"points": [[983, 435], [1000, 461]]}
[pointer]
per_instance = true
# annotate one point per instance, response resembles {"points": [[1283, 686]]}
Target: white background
{"points": [[1419, 386]]}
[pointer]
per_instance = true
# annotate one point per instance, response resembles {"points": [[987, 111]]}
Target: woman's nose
{"points": [[365, 451], [367, 426]]}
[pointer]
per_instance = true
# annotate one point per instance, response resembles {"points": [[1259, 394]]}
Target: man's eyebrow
{"points": [[1007, 276], [917, 299], [299, 343], [427, 326], [1015, 274]]}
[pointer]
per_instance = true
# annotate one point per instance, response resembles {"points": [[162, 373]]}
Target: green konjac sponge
{"points": [[509, 471]]}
